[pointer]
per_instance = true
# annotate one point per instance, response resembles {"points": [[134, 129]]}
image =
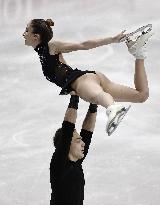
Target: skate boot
{"points": [[137, 40], [136, 51], [137, 48], [135, 34], [115, 115]]}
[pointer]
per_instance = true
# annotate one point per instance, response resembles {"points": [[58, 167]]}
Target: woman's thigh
{"points": [[87, 86], [87, 79], [119, 92]]}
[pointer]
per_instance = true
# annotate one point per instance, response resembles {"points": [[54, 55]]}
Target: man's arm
{"points": [[63, 146], [90, 119], [64, 47], [88, 128], [71, 112]]}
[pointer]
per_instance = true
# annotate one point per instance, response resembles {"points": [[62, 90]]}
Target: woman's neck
{"points": [[35, 45]]}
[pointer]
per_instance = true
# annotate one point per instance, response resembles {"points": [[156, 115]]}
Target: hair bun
{"points": [[49, 22]]}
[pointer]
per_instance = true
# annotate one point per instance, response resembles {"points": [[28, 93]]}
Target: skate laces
{"points": [[130, 43], [137, 36]]}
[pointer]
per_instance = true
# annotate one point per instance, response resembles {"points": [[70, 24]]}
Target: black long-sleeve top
{"points": [[67, 177]]}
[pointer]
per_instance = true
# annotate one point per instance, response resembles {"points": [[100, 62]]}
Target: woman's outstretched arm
{"points": [[64, 47]]}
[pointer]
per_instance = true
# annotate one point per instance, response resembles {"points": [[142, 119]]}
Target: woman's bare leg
{"points": [[123, 93], [89, 89], [100, 90]]}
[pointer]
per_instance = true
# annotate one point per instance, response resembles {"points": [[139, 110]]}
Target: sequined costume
{"points": [[57, 72]]}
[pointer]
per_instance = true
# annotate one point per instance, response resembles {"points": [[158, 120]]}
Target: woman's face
{"points": [[31, 39]]}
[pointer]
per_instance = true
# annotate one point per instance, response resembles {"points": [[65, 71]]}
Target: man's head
{"points": [[76, 151], [38, 31]]}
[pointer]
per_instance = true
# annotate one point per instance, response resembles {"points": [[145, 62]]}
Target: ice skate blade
{"points": [[141, 29], [120, 118]]}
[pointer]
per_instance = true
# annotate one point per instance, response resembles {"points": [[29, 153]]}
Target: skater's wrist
{"points": [[113, 40], [119, 37], [108, 40], [92, 108], [74, 100]]}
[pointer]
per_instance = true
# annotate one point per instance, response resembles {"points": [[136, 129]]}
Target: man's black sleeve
{"points": [[87, 135], [60, 156]]}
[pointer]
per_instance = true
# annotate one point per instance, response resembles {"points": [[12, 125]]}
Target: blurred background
{"points": [[123, 169]]}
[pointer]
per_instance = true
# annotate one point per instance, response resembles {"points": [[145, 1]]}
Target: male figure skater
{"points": [[66, 173]]}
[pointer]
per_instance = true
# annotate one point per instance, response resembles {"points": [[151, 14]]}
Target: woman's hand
{"points": [[117, 38]]}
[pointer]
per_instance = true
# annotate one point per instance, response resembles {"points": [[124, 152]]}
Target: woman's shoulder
{"points": [[53, 47]]}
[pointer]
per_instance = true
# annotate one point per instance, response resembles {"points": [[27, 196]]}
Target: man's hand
{"points": [[117, 38]]}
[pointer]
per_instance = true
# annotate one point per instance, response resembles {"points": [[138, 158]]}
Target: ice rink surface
{"points": [[123, 169]]}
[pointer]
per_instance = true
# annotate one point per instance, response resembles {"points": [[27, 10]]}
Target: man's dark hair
{"points": [[57, 137]]}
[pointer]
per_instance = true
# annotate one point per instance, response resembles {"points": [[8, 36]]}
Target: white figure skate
{"points": [[137, 46], [138, 53], [115, 116], [137, 33]]}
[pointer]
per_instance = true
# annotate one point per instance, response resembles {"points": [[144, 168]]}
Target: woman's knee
{"points": [[90, 96], [95, 98], [89, 93], [143, 96]]}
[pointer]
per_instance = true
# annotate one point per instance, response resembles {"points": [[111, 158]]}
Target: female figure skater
{"points": [[91, 86]]}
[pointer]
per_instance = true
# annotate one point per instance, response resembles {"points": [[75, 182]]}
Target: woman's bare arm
{"points": [[64, 47]]}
